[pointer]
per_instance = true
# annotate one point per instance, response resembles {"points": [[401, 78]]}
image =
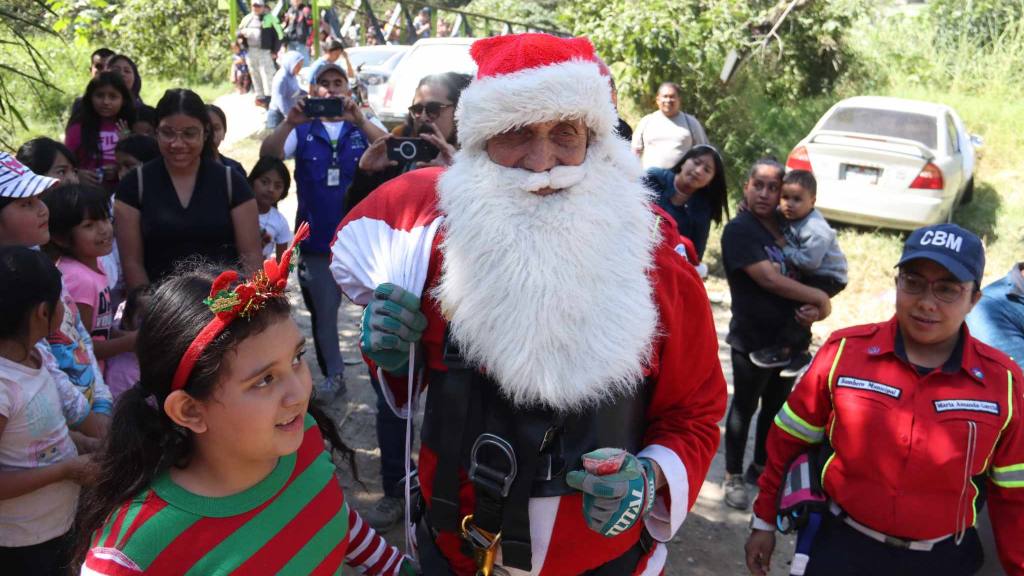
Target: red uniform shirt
{"points": [[910, 450]]}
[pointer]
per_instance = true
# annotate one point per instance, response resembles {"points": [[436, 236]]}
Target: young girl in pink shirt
{"points": [[107, 110]]}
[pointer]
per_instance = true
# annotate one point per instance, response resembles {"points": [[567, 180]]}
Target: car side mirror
{"points": [[977, 141]]}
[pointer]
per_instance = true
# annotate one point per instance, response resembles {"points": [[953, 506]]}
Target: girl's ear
{"points": [[185, 411]]}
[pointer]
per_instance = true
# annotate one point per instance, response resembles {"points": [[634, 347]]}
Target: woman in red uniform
{"points": [[918, 424]]}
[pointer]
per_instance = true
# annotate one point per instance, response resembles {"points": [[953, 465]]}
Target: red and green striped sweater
{"points": [[295, 521]]}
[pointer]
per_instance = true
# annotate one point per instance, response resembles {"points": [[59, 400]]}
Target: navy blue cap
{"points": [[954, 248]]}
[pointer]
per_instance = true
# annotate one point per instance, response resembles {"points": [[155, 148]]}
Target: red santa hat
{"points": [[523, 79]]}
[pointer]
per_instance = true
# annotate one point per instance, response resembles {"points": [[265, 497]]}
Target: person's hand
{"points": [[375, 158], [391, 323], [759, 548], [611, 481], [446, 152], [88, 177], [297, 115], [352, 112], [85, 444], [123, 128], [82, 470], [807, 314], [110, 173]]}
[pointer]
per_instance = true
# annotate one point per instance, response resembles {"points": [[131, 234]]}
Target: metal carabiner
{"points": [[484, 543]]}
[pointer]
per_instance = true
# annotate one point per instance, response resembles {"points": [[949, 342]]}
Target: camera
{"points": [[407, 150], [324, 107]]}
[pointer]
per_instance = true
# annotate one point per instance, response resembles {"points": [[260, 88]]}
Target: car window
{"points": [[954, 142], [917, 127], [370, 57]]}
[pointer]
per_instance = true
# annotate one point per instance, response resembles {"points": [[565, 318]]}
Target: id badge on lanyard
{"points": [[334, 170]]}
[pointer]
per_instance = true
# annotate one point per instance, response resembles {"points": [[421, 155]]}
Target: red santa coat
{"points": [[396, 232]]}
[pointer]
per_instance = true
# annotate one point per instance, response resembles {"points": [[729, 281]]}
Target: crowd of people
{"points": [[536, 277]]}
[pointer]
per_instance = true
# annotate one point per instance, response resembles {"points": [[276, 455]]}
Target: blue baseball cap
{"points": [[952, 247]]}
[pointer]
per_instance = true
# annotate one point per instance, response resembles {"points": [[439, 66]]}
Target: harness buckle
{"points": [[497, 481], [484, 543]]}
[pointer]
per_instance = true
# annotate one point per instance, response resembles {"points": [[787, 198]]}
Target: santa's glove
{"points": [[408, 568], [391, 323], [618, 489]]}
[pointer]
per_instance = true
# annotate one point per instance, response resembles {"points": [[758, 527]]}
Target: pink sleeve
{"points": [[79, 285], [73, 137]]}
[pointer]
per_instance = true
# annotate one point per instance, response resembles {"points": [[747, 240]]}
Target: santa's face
{"points": [[540, 147], [547, 245]]}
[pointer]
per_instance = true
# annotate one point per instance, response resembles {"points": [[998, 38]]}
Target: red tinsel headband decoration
{"points": [[243, 300]]}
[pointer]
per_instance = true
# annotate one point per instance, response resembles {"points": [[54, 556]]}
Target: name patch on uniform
{"points": [[967, 406], [861, 384]]}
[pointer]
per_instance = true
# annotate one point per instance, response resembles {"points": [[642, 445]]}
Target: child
{"points": [[133, 150], [219, 124], [24, 221], [216, 462], [810, 246], [40, 468], [270, 181], [123, 370], [80, 234], [107, 110], [48, 157], [239, 69], [145, 121]]}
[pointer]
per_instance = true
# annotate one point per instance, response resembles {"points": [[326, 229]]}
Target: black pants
{"points": [[794, 334], [391, 439], [50, 558], [751, 386], [839, 550]]}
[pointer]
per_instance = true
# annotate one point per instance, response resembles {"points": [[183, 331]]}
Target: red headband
{"points": [[244, 300]]}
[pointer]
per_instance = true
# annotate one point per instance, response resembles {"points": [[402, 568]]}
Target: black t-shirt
{"points": [[758, 316], [171, 232]]}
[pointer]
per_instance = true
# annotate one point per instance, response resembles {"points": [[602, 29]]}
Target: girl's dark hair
{"points": [[716, 191], [69, 205], [39, 154], [271, 164], [142, 148], [89, 120], [147, 114], [214, 109], [769, 161], [143, 441], [187, 102], [135, 302], [27, 278], [137, 87], [453, 84]]}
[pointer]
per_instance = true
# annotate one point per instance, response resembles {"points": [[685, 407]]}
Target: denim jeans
{"points": [[391, 439], [323, 299]]}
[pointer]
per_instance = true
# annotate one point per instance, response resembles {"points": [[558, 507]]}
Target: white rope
{"points": [[410, 403]]}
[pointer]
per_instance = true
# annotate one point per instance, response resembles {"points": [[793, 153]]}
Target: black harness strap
{"points": [[451, 400]]}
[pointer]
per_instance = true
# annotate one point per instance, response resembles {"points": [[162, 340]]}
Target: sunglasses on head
{"points": [[433, 109]]}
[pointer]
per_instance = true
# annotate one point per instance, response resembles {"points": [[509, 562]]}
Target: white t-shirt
{"points": [[274, 224], [662, 141], [38, 410]]}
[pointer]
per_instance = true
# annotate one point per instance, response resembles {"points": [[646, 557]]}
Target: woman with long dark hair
{"points": [[184, 204], [693, 192], [129, 72]]}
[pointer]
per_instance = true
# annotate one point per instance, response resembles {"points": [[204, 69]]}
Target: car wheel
{"points": [[968, 192]]}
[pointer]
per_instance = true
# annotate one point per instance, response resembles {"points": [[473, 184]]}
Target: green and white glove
{"points": [[391, 323], [618, 489]]}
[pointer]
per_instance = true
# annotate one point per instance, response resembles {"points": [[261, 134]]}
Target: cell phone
{"points": [[411, 150], [324, 107]]}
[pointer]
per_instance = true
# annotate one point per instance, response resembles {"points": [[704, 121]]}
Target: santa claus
{"points": [[565, 344]]}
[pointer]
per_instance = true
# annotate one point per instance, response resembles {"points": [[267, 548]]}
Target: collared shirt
{"points": [[910, 450], [998, 318]]}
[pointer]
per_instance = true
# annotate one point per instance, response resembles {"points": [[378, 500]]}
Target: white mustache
{"points": [[557, 178]]}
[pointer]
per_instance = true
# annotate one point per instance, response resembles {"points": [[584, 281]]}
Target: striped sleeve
{"points": [[108, 562], [1006, 480], [368, 552]]}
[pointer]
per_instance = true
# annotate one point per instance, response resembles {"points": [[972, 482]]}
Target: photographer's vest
{"points": [[512, 454], [321, 190]]}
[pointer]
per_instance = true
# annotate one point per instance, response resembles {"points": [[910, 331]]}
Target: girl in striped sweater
{"points": [[222, 468]]}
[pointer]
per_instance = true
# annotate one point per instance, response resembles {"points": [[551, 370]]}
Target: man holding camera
{"points": [[568, 349], [326, 135]]}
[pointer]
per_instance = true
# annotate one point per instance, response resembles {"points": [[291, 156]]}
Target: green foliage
{"points": [[978, 21], [540, 13], [687, 42], [22, 64]]}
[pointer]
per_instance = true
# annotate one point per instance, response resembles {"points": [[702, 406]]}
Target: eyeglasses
{"points": [[947, 291], [433, 109], [190, 135]]}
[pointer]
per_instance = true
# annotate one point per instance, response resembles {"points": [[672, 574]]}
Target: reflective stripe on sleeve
{"points": [[798, 427], [1008, 476]]}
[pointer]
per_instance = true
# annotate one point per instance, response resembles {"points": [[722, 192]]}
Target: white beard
{"points": [[550, 294]]}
